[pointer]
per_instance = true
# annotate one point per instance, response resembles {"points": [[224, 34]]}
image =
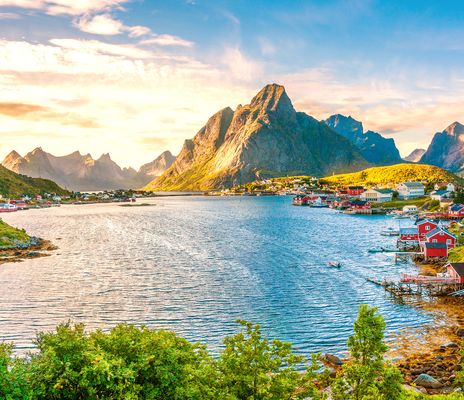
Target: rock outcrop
{"points": [[447, 149]]}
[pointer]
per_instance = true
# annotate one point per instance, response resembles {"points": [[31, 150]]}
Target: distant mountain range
{"points": [[82, 173], [415, 156], [265, 138], [374, 147]]}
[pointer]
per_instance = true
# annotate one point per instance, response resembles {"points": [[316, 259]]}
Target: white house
{"points": [[410, 209], [440, 195], [377, 195], [450, 187], [410, 190]]}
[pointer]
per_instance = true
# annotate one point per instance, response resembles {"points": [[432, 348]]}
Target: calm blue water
{"points": [[196, 264]]}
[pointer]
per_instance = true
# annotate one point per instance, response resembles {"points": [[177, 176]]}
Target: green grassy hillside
{"points": [[394, 174], [14, 185], [10, 236]]}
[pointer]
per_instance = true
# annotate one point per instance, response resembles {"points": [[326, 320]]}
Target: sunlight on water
{"points": [[197, 264]]}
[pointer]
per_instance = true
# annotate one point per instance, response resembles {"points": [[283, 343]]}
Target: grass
{"points": [[394, 174], [419, 202], [10, 236]]}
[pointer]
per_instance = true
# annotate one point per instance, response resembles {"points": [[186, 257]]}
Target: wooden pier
{"points": [[429, 287]]}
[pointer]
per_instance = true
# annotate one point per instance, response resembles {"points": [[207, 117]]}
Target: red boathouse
{"points": [[434, 250], [440, 235], [456, 270]]}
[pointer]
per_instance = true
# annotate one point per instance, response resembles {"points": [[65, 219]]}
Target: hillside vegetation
{"points": [[15, 185], [394, 174], [10, 236]]}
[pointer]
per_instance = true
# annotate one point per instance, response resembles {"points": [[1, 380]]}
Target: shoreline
{"points": [[434, 349], [19, 254]]}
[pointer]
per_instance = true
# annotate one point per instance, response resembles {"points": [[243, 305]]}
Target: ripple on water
{"points": [[196, 264]]}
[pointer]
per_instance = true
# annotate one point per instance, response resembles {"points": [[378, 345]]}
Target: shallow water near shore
{"points": [[196, 264]]}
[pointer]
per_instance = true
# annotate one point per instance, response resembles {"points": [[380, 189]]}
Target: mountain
{"points": [[394, 174], [374, 147], [447, 149], [415, 156], [262, 139], [159, 165], [76, 171], [15, 185]]}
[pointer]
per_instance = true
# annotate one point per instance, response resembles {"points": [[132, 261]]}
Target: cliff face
{"points": [[262, 139], [374, 147], [76, 171], [447, 149]]}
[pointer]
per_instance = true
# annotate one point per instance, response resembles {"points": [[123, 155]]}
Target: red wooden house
{"points": [[355, 190], [409, 234], [456, 270], [434, 250], [360, 205], [425, 226], [457, 210], [440, 235]]}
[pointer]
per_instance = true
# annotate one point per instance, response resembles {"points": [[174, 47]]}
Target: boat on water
{"points": [[382, 250], [390, 232], [318, 203], [7, 207], [334, 264]]}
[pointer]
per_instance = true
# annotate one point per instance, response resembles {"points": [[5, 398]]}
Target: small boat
{"points": [[390, 232], [382, 250], [318, 203], [334, 264], [7, 207]]}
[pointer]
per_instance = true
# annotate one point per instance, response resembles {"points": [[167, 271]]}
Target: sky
{"points": [[136, 77]]}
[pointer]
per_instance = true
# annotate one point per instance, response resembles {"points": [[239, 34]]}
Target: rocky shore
{"points": [[430, 357], [34, 248]]}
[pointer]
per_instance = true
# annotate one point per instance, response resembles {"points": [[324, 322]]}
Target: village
{"points": [[48, 200]]}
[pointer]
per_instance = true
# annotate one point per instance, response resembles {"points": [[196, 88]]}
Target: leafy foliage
{"points": [[367, 375]]}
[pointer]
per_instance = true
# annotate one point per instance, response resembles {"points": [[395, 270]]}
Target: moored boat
{"points": [[334, 264]]}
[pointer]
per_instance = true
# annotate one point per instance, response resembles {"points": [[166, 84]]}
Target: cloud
{"points": [[124, 93], [166, 40], [66, 7], [103, 24], [138, 30], [33, 112], [8, 15], [241, 66]]}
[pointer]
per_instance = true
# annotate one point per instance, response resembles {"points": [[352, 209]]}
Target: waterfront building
{"points": [[410, 190], [441, 235], [434, 250], [377, 195]]}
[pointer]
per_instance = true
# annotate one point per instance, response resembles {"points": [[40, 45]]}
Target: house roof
{"points": [[439, 192], [408, 231], [359, 202], [384, 191], [430, 245], [458, 267], [438, 230], [456, 207], [355, 187], [424, 221], [413, 185]]}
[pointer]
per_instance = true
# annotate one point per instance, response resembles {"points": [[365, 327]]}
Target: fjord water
{"points": [[196, 264]]}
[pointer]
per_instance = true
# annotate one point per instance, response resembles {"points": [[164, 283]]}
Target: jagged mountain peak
{"points": [[273, 98], [455, 129], [373, 146], [266, 137], [158, 165]]}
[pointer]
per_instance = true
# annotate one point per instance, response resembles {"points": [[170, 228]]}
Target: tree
{"points": [[367, 375], [13, 382], [252, 367], [458, 196]]}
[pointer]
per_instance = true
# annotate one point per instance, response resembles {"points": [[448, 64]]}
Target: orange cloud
{"points": [[36, 112]]}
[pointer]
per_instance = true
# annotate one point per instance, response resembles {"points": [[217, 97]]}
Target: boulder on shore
{"points": [[427, 382], [332, 359]]}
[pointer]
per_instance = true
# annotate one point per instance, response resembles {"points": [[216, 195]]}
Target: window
{"points": [[434, 241], [427, 227], [448, 241]]}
